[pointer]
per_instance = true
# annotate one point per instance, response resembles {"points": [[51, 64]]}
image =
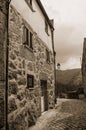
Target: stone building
{"points": [[3, 48], [84, 66], [31, 63]]}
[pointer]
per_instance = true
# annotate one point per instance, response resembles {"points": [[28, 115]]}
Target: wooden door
{"points": [[44, 96]]}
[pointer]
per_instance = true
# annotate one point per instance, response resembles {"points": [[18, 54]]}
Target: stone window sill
{"points": [[30, 49], [31, 89]]}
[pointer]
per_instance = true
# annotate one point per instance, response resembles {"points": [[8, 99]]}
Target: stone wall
{"points": [[25, 104], [3, 42], [84, 66]]}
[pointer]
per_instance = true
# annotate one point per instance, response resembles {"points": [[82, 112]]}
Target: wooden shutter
{"points": [[25, 36], [31, 38]]}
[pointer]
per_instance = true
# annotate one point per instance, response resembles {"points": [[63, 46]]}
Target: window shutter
{"points": [[31, 38], [27, 36], [31, 2], [24, 36], [46, 27], [47, 56]]}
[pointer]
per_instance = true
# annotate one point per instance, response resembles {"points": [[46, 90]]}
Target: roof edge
{"points": [[45, 14]]}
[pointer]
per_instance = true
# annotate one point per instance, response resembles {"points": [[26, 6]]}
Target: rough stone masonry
{"points": [[84, 66], [24, 105], [3, 44]]}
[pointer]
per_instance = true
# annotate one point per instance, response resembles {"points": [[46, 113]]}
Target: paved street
{"points": [[68, 115]]}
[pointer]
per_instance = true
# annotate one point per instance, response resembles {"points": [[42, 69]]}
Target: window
{"points": [[46, 27], [30, 1], [30, 4], [30, 81], [28, 36], [47, 56], [31, 35]]}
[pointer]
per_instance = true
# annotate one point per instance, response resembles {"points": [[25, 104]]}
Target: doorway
{"points": [[44, 96]]}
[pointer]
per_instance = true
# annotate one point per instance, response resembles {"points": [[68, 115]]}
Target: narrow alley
{"points": [[69, 114], [42, 57]]}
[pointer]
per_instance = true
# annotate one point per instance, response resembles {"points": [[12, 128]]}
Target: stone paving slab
{"points": [[68, 115], [43, 120]]}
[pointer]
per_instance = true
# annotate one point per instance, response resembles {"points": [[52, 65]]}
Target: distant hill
{"points": [[68, 80], [72, 76]]}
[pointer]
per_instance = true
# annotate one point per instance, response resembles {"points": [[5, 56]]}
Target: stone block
{"points": [[2, 111], [22, 118], [18, 121], [21, 95], [12, 65], [31, 119], [19, 71], [25, 53], [12, 75], [32, 115], [3, 5], [30, 66], [12, 56], [12, 104], [22, 103], [13, 87], [22, 81], [16, 52]]}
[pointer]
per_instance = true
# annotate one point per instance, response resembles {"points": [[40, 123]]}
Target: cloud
{"points": [[69, 46], [72, 62], [70, 29], [53, 13]]}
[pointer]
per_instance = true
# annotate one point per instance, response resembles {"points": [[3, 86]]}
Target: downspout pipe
{"points": [[54, 53], [7, 56]]}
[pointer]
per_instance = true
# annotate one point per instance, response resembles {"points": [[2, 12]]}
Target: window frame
{"points": [[30, 77], [30, 4], [28, 38], [46, 27], [47, 56]]}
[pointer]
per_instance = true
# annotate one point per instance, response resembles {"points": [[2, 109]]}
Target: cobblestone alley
{"points": [[68, 115]]}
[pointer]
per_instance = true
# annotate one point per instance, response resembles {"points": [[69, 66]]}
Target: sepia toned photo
{"points": [[42, 64]]}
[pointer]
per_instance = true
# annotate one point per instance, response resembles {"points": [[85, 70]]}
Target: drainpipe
{"points": [[54, 53], [7, 56]]}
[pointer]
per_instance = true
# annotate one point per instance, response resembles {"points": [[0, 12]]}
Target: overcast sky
{"points": [[70, 29]]}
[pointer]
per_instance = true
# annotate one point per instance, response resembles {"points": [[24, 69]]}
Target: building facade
{"points": [[3, 50], [84, 66], [31, 63]]}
